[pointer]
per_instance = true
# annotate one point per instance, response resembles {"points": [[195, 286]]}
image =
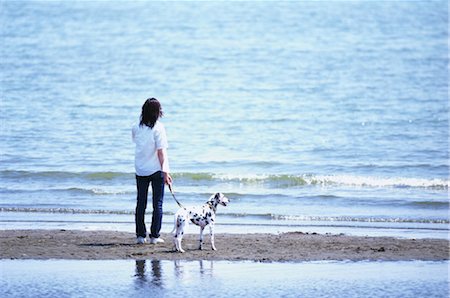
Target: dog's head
{"points": [[219, 198]]}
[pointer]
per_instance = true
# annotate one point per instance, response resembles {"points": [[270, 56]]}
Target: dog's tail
{"points": [[173, 195]]}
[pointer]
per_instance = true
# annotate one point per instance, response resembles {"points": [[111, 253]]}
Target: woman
{"points": [[152, 166]]}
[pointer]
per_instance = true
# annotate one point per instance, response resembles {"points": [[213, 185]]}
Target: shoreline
{"points": [[285, 247]]}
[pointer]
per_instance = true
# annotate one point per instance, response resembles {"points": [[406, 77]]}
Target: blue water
{"points": [[65, 278], [311, 116]]}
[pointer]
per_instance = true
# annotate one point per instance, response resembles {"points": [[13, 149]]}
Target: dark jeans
{"points": [[142, 183]]}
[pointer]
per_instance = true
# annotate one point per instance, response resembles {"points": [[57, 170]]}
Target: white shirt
{"points": [[148, 141]]}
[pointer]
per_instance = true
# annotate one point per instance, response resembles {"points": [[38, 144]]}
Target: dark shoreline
{"points": [[286, 247]]}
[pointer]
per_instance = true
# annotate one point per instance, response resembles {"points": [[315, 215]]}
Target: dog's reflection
{"points": [[154, 275], [182, 268]]}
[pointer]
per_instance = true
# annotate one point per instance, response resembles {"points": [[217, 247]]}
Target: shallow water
{"points": [[224, 224], [330, 115], [63, 278]]}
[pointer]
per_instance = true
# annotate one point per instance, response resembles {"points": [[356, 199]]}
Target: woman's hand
{"points": [[167, 179]]}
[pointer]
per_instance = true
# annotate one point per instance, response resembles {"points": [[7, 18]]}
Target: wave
{"points": [[270, 180], [430, 204], [264, 216], [11, 174], [286, 180], [97, 191], [66, 210], [399, 182], [71, 190], [358, 219]]}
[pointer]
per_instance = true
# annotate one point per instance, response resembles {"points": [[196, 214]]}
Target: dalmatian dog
{"points": [[203, 216]]}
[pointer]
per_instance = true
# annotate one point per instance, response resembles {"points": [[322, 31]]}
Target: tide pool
{"points": [[125, 278]]}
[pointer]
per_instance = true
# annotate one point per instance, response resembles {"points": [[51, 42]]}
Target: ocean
{"points": [[328, 117]]}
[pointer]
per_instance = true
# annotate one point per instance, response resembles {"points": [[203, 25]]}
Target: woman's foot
{"points": [[156, 240], [141, 240]]}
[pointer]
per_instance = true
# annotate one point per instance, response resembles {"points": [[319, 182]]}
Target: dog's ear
{"points": [[217, 196]]}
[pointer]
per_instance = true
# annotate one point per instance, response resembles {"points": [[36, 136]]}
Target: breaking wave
{"points": [[270, 180], [265, 216]]}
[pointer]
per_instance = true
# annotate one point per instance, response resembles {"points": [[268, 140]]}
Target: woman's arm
{"points": [[164, 161]]}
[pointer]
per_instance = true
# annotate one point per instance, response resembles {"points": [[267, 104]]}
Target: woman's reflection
{"points": [[156, 275]]}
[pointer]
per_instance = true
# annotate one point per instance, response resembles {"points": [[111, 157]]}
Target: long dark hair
{"points": [[151, 111]]}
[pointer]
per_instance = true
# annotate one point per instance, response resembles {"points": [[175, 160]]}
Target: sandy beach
{"points": [[286, 247]]}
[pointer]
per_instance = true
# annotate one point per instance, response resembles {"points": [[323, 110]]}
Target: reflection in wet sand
{"points": [[126, 278], [154, 276], [150, 273]]}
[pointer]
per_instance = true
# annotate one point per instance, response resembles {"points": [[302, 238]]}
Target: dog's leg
{"points": [[179, 233], [180, 249], [211, 231], [201, 237], [176, 245], [174, 232], [174, 240]]}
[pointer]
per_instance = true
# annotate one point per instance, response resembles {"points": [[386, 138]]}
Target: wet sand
{"points": [[286, 247]]}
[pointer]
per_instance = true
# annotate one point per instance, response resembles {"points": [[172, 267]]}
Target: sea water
{"points": [[64, 278], [309, 116]]}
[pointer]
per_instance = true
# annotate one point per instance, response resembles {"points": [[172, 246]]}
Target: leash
{"points": [[173, 195]]}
